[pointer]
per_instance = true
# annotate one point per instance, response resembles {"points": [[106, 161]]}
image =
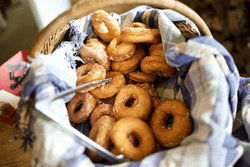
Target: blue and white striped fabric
{"points": [[207, 81]]}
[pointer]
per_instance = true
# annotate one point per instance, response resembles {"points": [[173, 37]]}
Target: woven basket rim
{"points": [[83, 8]]}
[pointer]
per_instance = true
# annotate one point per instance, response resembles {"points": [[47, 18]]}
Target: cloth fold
{"points": [[207, 81]]}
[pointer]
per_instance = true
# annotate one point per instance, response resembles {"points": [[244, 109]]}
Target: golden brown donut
{"points": [[92, 54], [141, 97], [99, 111], [126, 126], [80, 107], [156, 50], [153, 93], [109, 100], [89, 72], [140, 33], [100, 133], [181, 127], [118, 50], [110, 89], [157, 65], [131, 64], [141, 77], [105, 26], [132, 138], [95, 42]]}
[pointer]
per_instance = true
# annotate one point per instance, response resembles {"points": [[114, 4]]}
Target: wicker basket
{"points": [[47, 40]]}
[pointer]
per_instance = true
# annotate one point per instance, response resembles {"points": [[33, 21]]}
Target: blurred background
{"points": [[228, 20]]}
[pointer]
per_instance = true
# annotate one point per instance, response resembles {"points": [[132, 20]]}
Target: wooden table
{"points": [[10, 153]]}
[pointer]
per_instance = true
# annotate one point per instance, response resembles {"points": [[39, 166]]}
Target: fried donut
{"points": [[140, 33], [141, 77], [156, 50], [92, 54], [105, 26], [131, 64], [99, 111], [132, 138], [89, 72], [119, 51], [153, 93], [95, 42], [157, 65], [119, 136], [100, 133], [181, 127], [110, 89], [109, 100], [142, 101], [80, 107]]}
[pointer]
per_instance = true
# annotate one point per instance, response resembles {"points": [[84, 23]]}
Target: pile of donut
{"points": [[126, 115]]}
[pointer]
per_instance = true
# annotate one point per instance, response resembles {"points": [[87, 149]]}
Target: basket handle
{"points": [[85, 7]]}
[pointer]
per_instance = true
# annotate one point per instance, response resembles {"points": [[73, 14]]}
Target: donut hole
{"points": [[133, 139], [78, 107], [131, 102], [84, 73], [103, 28], [169, 119]]}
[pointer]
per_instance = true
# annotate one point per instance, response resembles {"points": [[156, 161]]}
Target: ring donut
{"points": [[142, 102], [99, 111], [157, 65], [126, 126], [132, 138], [141, 77], [181, 127], [105, 26], [140, 33], [100, 133], [156, 50], [118, 50], [89, 72], [91, 54], [131, 64], [95, 42], [109, 100], [80, 107], [153, 93], [110, 89]]}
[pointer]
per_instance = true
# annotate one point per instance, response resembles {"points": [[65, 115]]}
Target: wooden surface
{"points": [[10, 153]]}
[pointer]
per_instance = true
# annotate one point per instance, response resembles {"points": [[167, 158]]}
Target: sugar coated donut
{"points": [[142, 102], [91, 54], [96, 42], [100, 133], [181, 127], [132, 138], [153, 93], [109, 100], [139, 33], [105, 26], [126, 126], [157, 65], [118, 50], [156, 50], [110, 89], [80, 107], [89, 72], [141, 77], [131, 64], [99, 111]]}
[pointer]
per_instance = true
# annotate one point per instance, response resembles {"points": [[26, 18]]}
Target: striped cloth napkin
{"points": [[207, 81]]}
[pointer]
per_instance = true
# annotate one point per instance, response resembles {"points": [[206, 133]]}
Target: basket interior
{"points": [[49, 38]]}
